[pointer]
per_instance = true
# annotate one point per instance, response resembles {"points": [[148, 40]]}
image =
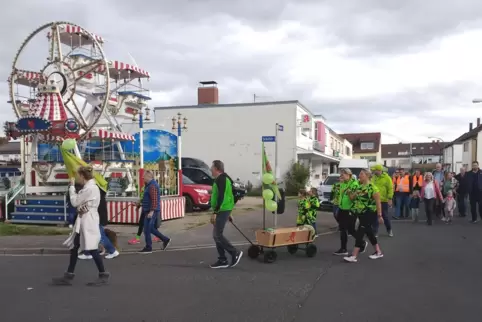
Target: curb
{"points": [[65, 251]]}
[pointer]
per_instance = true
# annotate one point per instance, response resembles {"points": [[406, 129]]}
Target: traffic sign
{"points": [[268, 138], [280, 127]]}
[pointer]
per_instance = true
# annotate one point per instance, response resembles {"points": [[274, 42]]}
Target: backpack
{"points": [[237, 195]]}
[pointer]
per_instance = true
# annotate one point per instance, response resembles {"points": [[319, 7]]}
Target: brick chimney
{"points": [[207, 93], [471, 126], [478, 121]]}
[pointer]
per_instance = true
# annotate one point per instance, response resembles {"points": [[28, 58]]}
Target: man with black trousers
{"points": [[462, 189], [474, 179]]}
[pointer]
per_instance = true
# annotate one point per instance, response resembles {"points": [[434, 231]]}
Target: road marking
{"points": [[180, 249]]}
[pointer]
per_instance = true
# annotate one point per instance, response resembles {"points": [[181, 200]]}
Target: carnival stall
{"points": [[77, 93]]}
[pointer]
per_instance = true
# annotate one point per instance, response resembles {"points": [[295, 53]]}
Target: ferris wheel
{"points": [[75, 91]]}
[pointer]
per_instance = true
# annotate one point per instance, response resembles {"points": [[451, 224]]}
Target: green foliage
{"points": [[296, 178]]}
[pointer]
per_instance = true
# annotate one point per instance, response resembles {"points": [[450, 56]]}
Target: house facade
{"points": [[233, 133], [365, 146], [412, 155]]}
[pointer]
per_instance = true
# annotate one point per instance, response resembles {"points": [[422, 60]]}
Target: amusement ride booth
{"points": [[79, 94]]}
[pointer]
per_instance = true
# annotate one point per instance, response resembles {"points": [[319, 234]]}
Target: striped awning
{"points": [[109, 135]]}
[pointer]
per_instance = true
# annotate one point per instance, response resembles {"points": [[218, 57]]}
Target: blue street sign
{"points": [[268, 138], [280, 127]]}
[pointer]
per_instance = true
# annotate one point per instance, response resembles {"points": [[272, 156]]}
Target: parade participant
{"points": [[346, 219], [86, 234], [151, 208], [430, 194], [305, 215], [439, 176], [385, 188], [415, 205], [417, 181], [462, 190], [449, 205], [474, 179], [403, 190], [314, 206], [447, 185], [222, 203], [140, 225], [335, 200], [367, 208]]}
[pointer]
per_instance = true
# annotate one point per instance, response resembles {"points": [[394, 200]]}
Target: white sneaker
{"points": [[376, 255], [350, 259], [390, 233], [83, 256], [113, 255], [71, 226]]}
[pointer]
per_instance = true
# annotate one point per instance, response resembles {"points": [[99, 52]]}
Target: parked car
{"points": [[203, 176], [197, 195], [193, 163], [324, 190]]}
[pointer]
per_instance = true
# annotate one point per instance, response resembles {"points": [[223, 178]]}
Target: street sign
{"points": [[280, 127], [268, 139]]}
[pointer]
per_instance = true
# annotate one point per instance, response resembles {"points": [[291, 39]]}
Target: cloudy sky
{"points": [[408, 69]]}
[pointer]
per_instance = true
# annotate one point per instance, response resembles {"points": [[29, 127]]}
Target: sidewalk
{"points": [[190, 232]]}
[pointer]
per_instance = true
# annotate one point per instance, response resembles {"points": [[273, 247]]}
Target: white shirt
{"points": [[429, 192]]}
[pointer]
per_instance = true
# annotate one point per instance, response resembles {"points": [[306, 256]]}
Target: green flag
{"points": [[267, 169]]}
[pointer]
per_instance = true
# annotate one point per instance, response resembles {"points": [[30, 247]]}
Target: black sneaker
{"points": [[145, 250], [341, 252], [364, 248], [236, 258], [220, 264], [65, 280], [166, 244], [102, 280]]}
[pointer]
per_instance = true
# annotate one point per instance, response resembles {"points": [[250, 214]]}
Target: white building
{"points": [[465, 149], [233, 133]]}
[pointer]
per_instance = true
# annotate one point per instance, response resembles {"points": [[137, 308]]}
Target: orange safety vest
{"points": [[403, 184], [418, 180], [394, 179]]}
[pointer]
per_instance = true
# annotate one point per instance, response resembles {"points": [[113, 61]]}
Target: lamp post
{"points": [[180, 124]]}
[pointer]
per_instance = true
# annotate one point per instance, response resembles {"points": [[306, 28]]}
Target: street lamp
{"points": [[180, 124], [477, 100]]}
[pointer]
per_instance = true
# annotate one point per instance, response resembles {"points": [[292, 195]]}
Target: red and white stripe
{"points": [[45, 138], [49, 106], [123, 66], [30, 76], [69, 29], [126, 212], [104, 134]]}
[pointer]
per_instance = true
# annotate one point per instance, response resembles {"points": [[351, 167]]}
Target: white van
{"points": [[355, 165]]}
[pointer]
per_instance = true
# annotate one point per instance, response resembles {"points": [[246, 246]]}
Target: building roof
{"points": [[180, 107], [466, 136], [10, 148], [356, 139], [398, 150]]}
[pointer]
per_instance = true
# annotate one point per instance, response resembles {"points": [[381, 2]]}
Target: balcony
{"points": [[317, 146]]}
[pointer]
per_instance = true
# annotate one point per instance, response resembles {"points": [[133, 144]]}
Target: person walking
{"points": [[346, 219], [367, 208], [474, 179], [335, 199], [439, 177], [415, 205], [86, 233], [448, 185], [151, 208], [417, 181], [449, 205], [403, 189], [430, 194], [461, 189], [384, 184], [222, 203]]}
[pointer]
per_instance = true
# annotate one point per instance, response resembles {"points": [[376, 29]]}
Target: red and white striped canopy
{"points": [[45, 138], [49, 105], [122, 70], [69, 29], [109, 135], [26, 77]]}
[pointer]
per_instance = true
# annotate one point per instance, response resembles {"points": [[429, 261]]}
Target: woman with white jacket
{"points": [[86, 233]]}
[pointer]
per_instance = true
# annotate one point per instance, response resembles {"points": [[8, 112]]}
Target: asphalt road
{"points": [[427, 274]]}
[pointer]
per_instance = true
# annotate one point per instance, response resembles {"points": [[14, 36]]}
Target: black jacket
{"points": [[463, 183], [103, 217], [474, 180]]}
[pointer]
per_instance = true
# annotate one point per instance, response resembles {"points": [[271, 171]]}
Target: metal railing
{"points": [[11, 194], [119, 185]]}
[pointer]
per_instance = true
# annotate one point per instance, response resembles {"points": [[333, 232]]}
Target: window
{"points": [[367, 146], [370, 158], [347, 151], [403, 153], [466, 146], [316, 132], [393, 163], [331, 180]]}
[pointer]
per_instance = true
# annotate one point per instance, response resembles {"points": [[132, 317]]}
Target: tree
{"points": [[296, 178]]}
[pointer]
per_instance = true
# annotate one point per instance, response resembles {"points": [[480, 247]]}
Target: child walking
{"points": [[314, 206], [414, 205], [303, 208], [449, 206]]}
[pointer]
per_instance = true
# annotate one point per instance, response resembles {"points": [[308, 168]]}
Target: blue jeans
{"points": [[402, 204], [106, 241], [386, 219], [150, 225]]}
